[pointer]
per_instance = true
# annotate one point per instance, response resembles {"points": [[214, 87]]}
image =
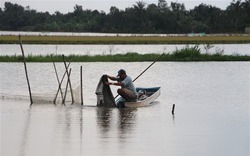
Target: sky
{"points": [[65, 6]]}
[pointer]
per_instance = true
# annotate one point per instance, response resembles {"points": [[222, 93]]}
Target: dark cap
{"points": [[121, 71]]}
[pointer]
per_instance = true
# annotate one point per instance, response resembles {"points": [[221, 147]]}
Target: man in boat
{"points": [[127, 90]]}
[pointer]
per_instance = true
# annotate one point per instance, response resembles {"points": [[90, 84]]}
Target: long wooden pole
{"points": [[61, 82], [148, 67], [67, 86], [81, 86], [25, 67], [57, 80], [68, 79]]}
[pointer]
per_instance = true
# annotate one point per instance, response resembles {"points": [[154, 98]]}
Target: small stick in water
{"points": [[173, 109], [81, 86]]}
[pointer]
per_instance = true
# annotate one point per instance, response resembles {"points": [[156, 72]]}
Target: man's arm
{"points": [[116, 83], [112, 78]]}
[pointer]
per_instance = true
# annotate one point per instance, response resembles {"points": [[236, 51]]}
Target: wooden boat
{"points": [[146, 99]]}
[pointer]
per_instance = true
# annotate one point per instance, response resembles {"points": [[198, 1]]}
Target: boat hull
{"points": [[152, 95]]}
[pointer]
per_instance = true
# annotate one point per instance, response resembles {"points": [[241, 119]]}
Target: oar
{"points": [[146, 69]]}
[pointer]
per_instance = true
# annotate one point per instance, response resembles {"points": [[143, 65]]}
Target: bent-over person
{"points": [[127, 90]]}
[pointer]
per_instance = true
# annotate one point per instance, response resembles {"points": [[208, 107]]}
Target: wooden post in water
{"points": [[61, 82], [57, 80], [68, 79], [25, 68], [81, 86], [67, 84], [173, 109]]}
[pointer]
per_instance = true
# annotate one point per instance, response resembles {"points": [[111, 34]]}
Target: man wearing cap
{"points": [[127, 91]]}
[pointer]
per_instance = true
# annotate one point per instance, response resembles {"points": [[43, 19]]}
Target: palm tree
{"points": [[140, 10], [140, 5], [236, 12]]}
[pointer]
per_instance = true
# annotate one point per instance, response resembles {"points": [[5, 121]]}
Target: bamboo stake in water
{"points": [[81, 86], [68, 80], [61, 82], [173, 109], [25, 67], [57, 80]]}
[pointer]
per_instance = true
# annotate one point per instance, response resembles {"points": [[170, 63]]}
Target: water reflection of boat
{"points": [[147, 98]]}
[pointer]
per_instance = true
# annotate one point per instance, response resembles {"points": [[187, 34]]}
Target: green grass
{"points": [[185, 54], [8, 39]]}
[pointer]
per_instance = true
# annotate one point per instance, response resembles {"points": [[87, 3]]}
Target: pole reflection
{"points": [[25, 131]]}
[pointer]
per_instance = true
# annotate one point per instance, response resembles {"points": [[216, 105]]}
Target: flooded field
{"points": [[39, 49], [212, 116]]}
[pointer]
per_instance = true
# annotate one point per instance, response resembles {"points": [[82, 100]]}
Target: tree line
{"points": [[139, 18]]}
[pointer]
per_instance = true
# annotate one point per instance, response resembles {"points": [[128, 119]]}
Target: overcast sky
{"points": [[65, 6]]}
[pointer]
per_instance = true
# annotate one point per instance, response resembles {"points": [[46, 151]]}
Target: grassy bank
{"points": [[5, 39], [186, 54]]}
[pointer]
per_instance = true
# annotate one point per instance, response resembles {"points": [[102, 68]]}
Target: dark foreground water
{"points": [[211, 116]]}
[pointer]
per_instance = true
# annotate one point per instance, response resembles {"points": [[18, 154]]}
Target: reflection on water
{"points": [[63, 130], [107, 119], [25, 132], [104, 117], [127, 120]]}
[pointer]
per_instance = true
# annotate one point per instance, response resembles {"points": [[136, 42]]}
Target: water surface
{"points": [[40, 49], [211, 116]]}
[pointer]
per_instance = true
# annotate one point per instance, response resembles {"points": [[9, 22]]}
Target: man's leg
{"points": [[123, 94], [126, 94]]}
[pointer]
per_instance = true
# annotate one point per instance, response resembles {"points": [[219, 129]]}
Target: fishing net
{"points": [[44, 88], [104, 95], [72, 96], [50, 97]]}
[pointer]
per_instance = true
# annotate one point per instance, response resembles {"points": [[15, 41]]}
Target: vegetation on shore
{"points": [[8, 39], [165, 18], [185, 54]]}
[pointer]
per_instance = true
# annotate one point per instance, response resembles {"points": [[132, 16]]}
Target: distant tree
{"points": [[113, 10], [237, 14], [114, 20], [208, 18], [153, 15], [13, 16], [162, 4], [1, 19], [246, 7], [139, 18], [78, 9], [140, 12], [177, 6]]}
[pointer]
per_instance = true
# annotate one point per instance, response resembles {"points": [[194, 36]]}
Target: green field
{"points": [[6, 39]]}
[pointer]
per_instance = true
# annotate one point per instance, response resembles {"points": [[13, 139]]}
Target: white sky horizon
{"points": [[65, 6]]}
